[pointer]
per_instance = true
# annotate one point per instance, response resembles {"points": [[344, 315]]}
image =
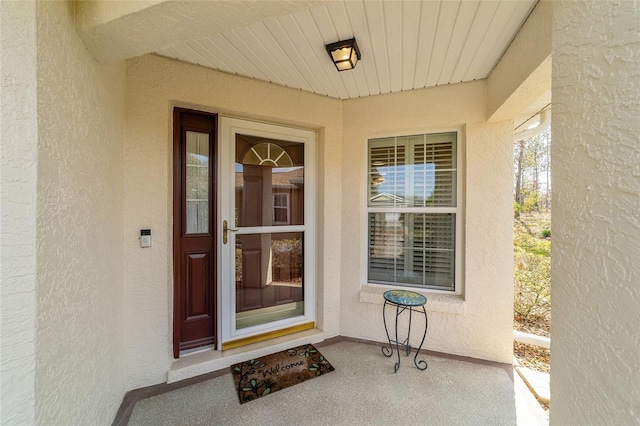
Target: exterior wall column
{"points": [[596, 213], [18, 194]]}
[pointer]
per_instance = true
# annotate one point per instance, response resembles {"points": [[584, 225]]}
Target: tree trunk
{"points": [[548, 173], [519, 174]]}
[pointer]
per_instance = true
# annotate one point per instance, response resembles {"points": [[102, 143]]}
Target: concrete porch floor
{"points": [[362, 390]]}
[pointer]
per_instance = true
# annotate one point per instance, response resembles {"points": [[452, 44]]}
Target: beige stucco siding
{"points": [[154, 86], [79, 374], [595, 267], [18, 195], [478, 323]]}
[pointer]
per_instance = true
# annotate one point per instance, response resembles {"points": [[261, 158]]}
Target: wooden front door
{"points": [[194, 230]]}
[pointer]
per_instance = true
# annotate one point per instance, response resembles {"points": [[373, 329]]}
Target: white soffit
{"points": [[405, 45]]}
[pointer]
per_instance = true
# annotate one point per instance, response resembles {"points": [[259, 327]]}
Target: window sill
{"points": [[436, 302]]}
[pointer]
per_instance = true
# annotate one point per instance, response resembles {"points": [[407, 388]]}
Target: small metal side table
{"points": [[404, 301]]}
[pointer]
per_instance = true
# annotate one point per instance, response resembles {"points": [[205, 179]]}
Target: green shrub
{"points": [[546, 233], [531, 201], [517, 209], [532, 275], [287, 260]]}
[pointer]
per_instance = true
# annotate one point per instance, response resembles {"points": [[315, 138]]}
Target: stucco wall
{"points": [[19, 138], [596, 214], [80, 323], [154, 86], [478, 323]]}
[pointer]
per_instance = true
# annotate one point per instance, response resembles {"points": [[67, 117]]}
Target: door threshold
{"points": [[245, 341], [192, 351], [207, 361]]}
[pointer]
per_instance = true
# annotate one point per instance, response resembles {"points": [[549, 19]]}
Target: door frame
{"points": [[228, 336]]}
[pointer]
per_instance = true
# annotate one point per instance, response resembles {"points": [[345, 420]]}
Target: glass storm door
{"points": [[267, 205]]}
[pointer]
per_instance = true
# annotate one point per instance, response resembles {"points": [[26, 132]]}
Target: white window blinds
{"points": [[412, 210]]}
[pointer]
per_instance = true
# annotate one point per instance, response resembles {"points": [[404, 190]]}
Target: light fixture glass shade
{"points": [[340, 55], [344, 54]]}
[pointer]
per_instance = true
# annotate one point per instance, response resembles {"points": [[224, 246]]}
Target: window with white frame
{"points": [[281, 209], [412, 210]]}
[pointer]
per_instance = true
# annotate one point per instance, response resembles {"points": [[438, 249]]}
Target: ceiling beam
{"points": [[117, 30], [523, 74]]}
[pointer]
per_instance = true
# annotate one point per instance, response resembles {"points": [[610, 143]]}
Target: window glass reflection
{"points": [[269, 182], [269, 278], [197, 183]]}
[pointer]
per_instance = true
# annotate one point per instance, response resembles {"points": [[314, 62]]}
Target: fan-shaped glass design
{"points": [[267, 154]]}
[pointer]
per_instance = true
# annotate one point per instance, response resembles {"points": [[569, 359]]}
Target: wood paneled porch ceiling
{"points": [[405, 45]]}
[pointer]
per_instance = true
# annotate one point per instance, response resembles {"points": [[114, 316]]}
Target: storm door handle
{"points": [[225, 229]]}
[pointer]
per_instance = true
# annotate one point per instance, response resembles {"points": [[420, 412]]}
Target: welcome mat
{"points": [[259, 377]]}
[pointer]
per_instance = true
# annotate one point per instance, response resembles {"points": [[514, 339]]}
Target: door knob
{"points": [[225, 229]]}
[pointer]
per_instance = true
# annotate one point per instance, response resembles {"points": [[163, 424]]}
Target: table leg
{"points": [[397, 366], [408, 342], [419, 364], [386, 351]]}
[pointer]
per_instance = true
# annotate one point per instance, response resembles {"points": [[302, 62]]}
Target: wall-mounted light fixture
{"points": [[344, 54]]}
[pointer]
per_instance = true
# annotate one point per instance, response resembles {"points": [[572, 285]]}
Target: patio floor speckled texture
{"points": [[362, 390]]}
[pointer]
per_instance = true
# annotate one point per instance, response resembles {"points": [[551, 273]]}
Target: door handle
{"points": [[225, 229]]}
